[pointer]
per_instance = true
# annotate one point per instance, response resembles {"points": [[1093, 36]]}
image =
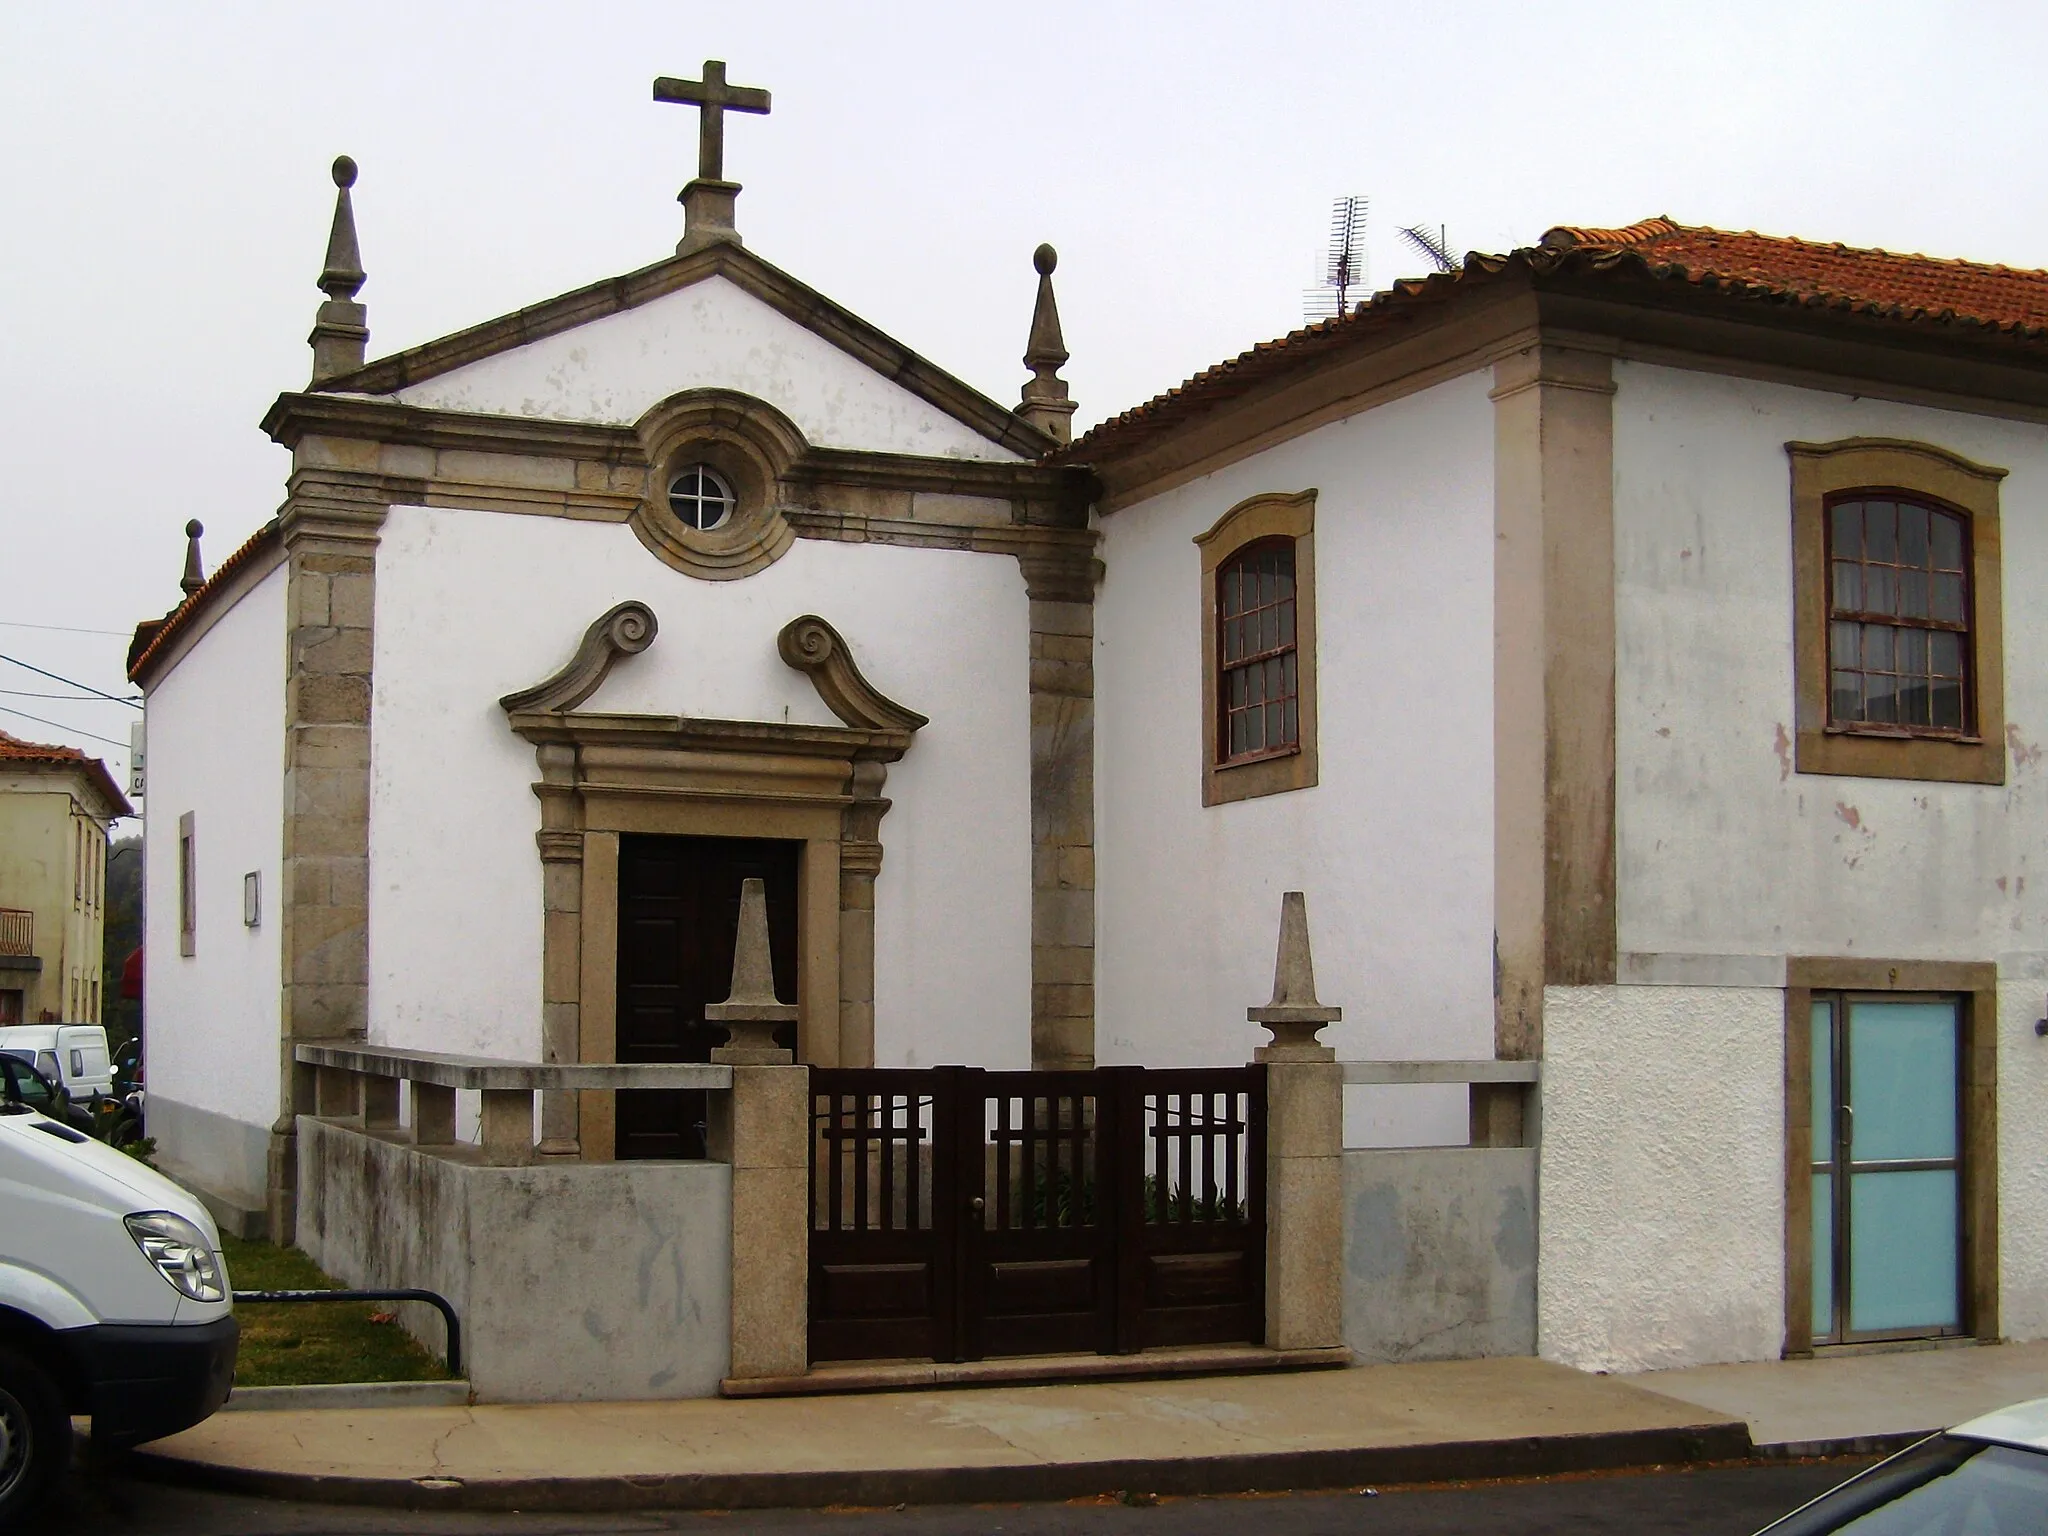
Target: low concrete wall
{"points": [[572, 1281], [1440, 1252]]}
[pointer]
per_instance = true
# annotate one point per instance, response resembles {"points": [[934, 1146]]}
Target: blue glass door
{"points": [[1887, 1173]]}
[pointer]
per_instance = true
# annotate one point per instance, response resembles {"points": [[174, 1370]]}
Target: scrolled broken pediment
{"points": [[819, 651], [625, 630]]}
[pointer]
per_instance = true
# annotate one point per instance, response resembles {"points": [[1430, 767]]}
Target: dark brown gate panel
{"points": [[1039, 1243], [1193, 1261], [884, 1215], [958, 1214]]}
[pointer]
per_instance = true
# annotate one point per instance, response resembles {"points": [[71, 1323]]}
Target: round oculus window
{"points": [[701, 498]]}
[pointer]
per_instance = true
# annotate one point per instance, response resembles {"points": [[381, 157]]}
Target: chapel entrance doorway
{"points": [[679, 905], [1887, 1170], [958, 1214]]}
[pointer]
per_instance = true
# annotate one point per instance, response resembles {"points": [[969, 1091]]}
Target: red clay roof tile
{"points": [[153, 635], [36, 754]]}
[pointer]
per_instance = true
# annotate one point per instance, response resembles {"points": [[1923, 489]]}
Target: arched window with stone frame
{"points": [[1258, 648], [1897, 614]]}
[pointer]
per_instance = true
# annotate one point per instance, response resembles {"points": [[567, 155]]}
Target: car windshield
{"points": [[19, 1053], [1941, 1487], [26, 1087]]}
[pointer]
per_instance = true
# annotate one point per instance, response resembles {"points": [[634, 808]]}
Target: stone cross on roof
{"points": [[713, 98], [708, 200]]}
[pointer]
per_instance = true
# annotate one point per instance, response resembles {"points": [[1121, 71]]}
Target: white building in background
{"points": [[1609, 637]]}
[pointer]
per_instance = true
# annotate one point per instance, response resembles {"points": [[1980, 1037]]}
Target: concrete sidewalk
{"points": [[1332, 1428], [1859, 1402], [1220, 1434]]}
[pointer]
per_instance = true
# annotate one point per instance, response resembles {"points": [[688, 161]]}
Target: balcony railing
{"points": [[17, 931]]}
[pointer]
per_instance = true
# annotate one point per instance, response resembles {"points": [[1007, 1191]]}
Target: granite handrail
{"points": [[445, 1069], [361, 1080]]}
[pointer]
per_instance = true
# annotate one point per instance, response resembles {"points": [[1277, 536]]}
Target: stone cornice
{"points": [[795, 300], [293, 417], [1058, 494], [434, 457], [335, 506], [990, 539], [688, 735]]}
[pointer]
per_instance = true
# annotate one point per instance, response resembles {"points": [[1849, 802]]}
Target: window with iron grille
{"points": [[1258, 664], [1899, 613]]}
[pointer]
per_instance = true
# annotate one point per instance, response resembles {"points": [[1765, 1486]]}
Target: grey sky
{"points": [[165, 196]]}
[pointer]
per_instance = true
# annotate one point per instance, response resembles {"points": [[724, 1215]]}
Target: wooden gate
{"points": [[958, 1213]]}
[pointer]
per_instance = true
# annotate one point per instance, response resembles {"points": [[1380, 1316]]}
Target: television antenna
{"points": [[1435, 248], [1345, 269]]}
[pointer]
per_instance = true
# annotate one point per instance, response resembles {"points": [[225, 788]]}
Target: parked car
{"points": [[114, 1302], [76, 1059], [21, 1083], [74, 1056], [1988, 1477]]}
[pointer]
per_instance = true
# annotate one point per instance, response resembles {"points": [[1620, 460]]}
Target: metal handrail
{"points": [[432, 1298]]}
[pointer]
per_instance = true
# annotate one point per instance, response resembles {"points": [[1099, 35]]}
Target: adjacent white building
{"points": [[1612, 638]]}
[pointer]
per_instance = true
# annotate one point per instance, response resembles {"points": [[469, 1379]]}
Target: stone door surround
{"points": [[603, 775]]}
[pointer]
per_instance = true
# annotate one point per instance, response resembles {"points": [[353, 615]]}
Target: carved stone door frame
{"points": [[603, 775]]}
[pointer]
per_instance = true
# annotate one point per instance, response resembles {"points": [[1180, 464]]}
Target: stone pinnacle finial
{"points": [[195, 573], [1294, 1015], [341, 338], [752, 1011], [1045, 403]]}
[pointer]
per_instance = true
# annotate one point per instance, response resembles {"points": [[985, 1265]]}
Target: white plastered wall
{"points": [[1394, 846], [215, 748], [472, 605], [713, 333], [1661, 1176], [1723, 848], [1729, 858]]}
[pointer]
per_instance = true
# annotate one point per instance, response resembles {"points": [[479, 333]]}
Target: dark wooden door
{"points": [[679, 905]]}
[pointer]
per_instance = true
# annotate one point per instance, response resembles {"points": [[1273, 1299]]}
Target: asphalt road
{"points": [[1710, 1502]]}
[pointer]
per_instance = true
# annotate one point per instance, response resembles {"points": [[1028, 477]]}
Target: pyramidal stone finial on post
{"points": [[752, 1011], [1045, 403], [195, 573], [341, 334], [1294, 1015]]}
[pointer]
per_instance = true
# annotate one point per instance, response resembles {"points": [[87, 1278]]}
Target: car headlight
{"points": [[180, 1253]]}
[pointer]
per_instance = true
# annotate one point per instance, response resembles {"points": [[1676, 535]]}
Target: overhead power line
{"points": [[59, 725], [65, 629], [69, 682]]}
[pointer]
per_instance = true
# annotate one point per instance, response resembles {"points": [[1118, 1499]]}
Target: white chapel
{"points": [[1622, 642]]}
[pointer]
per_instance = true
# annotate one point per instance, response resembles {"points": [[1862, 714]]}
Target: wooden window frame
{"points": [[1825, 473], [1975, 984], [1256, 520]]}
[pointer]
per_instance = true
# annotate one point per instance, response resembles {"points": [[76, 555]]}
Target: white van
{"points": [[114, 1303], [73, 1056]]}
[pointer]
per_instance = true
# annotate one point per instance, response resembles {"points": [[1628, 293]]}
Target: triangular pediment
{"points": [[718, 317]]}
